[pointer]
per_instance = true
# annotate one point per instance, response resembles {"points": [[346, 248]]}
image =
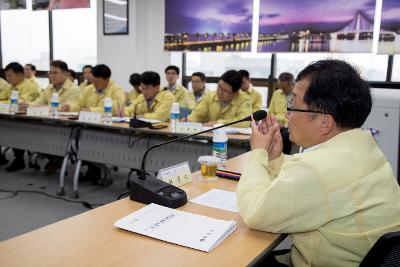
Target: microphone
{"points": [[138, 123], [152, 190]]}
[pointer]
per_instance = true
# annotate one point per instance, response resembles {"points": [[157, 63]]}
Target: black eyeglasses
{"points": [[289, 109]]}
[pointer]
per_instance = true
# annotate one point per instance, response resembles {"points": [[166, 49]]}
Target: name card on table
{"points": [[176, 175], [188, 127], [4, 108], [40, 111], [91, 117]]}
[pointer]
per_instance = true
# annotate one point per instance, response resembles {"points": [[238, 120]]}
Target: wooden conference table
{"points": [[89, 239]]}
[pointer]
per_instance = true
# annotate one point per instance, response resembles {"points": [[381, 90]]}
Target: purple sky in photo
{"points": [[317, 15], [391, 15], [208, 16]]}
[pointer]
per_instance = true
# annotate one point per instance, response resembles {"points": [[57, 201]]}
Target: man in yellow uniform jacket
{"points": [[134, 80], [277, 107], [225, 105], [29, 73], [151, 103], [248, 89], [337, 197], [180, 93], [28, 92], [92, 99], [87, 77], [198, 80], [68, 92]]}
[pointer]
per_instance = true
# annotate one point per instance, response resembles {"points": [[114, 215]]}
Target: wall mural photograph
{"points": [[59, 4], [208, 25], [389, 38], [316, 26], [12, 4]]}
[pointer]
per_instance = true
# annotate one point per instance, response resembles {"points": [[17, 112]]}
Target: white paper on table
{"points": [[178, 227], [217, 198], [68, 113], [231, 130]]}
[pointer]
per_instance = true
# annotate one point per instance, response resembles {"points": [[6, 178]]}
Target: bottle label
{"points": [[107, 109], [54, 104], [219, 146], [174, 116], [13, 101]]}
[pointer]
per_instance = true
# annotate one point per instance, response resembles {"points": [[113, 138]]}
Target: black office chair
{"points": [[385, 252]]}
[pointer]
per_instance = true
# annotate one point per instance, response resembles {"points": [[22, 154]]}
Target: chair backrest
{"points": [[385, 252]]}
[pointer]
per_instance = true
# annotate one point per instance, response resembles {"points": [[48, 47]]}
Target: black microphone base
{"points": [[153, 190]]}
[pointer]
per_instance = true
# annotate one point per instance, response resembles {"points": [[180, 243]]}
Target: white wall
{"points": [[139, 51]]}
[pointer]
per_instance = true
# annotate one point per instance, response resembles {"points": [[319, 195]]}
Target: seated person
{"points": [[68, 92], [92, 99], [337, 197], [152, 103], [29, 73], [71, 75], [277, 107], [247, 88], [27, 92], [87, 77], [198, 80], [180, 93], [3, 90], [134, 80], [225, 105]]}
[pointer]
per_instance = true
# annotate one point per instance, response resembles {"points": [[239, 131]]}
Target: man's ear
{"points": [[327, 124]]}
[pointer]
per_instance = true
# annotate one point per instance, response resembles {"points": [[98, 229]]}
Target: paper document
{"points": [[217, 198], [178, 227], [231, 130]]}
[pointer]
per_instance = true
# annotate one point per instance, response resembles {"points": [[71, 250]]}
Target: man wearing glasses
{"points": [[225, 105], [337, 197]]}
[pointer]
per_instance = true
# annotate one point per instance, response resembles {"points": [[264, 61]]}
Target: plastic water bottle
{"points": [[107, 115], [174, 116], [14, 107], [220, 147], [54, 105]]}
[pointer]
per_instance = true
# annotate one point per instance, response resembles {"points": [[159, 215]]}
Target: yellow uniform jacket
{"points": [[159, 109], [68, 94], [278, 106], [255, 97], [94, 100], [181, 95], [28, 92], [335, 200], [210, 109]]}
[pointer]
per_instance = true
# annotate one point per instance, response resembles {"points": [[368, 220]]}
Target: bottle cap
{"points": [[107, 101], [175, 107], [14, 94], [220, 136]]}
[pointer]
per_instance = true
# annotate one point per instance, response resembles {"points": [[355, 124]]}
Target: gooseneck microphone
{"points": [[152, 190]]}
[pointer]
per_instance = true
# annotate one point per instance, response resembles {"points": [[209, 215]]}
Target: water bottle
{"points": [[174, 116], [14, 102], [54, 105], [107, 115], [220, 147]]}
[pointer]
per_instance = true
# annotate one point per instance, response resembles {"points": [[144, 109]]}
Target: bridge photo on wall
{"points": [[316, 26], [389, 37], [208, 25]]}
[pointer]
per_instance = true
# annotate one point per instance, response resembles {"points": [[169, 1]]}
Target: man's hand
{"points": [[210, 123], [120, 112], [65, 108], [267, 135]]}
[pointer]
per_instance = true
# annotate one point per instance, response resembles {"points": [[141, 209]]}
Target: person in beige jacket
{"points": [[151, 103], [180, 93], [92, 98], [337, 197], [68, 92]]}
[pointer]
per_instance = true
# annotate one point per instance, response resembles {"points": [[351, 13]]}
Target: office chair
{"points": [[385, 252]]}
